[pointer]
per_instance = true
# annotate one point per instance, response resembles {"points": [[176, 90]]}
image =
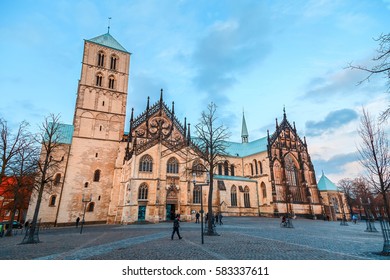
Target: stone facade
{"points": [[147, 173]]}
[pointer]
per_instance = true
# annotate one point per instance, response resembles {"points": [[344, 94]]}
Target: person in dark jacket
{"points": [[176, 226]]}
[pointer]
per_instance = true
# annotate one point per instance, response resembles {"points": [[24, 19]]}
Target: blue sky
{"points": [[256, 56]]}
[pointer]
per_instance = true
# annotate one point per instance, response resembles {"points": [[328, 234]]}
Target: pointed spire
{"points": [[277, 125], [189, 134], [161, 96], [185, 127], [295, 129], [244, 130], [173, 108], [147, 104], [284, 112]]}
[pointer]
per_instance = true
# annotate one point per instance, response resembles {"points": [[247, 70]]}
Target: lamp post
{"points": [[201, 199], [85, 201], [369, 222]]}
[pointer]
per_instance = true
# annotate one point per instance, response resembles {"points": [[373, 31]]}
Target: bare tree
{"points": [[10, 144], [22, 177], [50, 137], [375, 157], [211, 144], [346, 186], [381, 66]]}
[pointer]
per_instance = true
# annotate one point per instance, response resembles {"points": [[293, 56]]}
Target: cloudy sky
{"points": [[252, 56]]}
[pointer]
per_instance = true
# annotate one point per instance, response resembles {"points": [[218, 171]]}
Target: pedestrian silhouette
{"points": [[220, 218], [197, 217], [176, 226], [77, 222]]}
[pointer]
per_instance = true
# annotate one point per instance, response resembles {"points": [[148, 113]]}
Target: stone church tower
{"points": [[98, 123]]}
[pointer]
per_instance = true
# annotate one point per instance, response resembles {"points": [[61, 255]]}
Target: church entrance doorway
{"points": [[171, 210], [141, 213]]}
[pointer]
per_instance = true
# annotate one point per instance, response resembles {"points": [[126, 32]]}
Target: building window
{"points": [[96, 176], [143, 192], [256, 169], [247, 203], [99, 79], [146, 164], [173, 166], [291, 172], [86, 185], [52, 200], [261, 167], [57, 179], [111, 82], [196, 195], [197, 168], [219, 169], [264, 190], [232, 170], [100, 59], [91, 207], [113, 62], [251, 165], [233, 196], [226, 168]]}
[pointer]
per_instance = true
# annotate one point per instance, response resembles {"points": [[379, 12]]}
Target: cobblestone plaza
{"points": [[241, 238]]}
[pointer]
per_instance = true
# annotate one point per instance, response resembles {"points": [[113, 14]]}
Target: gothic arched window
{"points": [[197, 168], [219, 169], [143, 191], [226, 168], [173, 166], [247, 202], [263, 190], [91, 207], [232, 170], [196, 195], [233, 196], [256, 169], [291, 172], [146, 164]]}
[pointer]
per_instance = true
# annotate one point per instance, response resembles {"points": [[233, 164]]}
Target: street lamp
{"points": [[85, 200], [344, 219], [201, 199]]}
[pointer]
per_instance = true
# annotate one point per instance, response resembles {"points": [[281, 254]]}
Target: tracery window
{"points": [[291, 172], [247, 202], [146, 164], [173, 166], [143, 191], [197, 168], [233, 196]]}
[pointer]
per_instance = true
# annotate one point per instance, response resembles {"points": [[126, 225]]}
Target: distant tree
{"points": [[375, 157], [211, 146], [346, 186], [50, 137], [382, 66]]}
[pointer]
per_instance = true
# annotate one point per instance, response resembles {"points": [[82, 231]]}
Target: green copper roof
{"points": [[246, 149], [324, 184], [65, 133], [108, 41]]}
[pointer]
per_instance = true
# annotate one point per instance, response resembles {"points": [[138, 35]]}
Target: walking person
{"points": [[176, 226], [216, 218], [220, 218], [197, 215], [77, 222]]}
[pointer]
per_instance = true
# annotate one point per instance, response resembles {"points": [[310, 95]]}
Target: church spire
{"points": [[244, 130]]}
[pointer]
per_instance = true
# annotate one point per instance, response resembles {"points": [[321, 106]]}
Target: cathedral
{"points": [[147, 174]]}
